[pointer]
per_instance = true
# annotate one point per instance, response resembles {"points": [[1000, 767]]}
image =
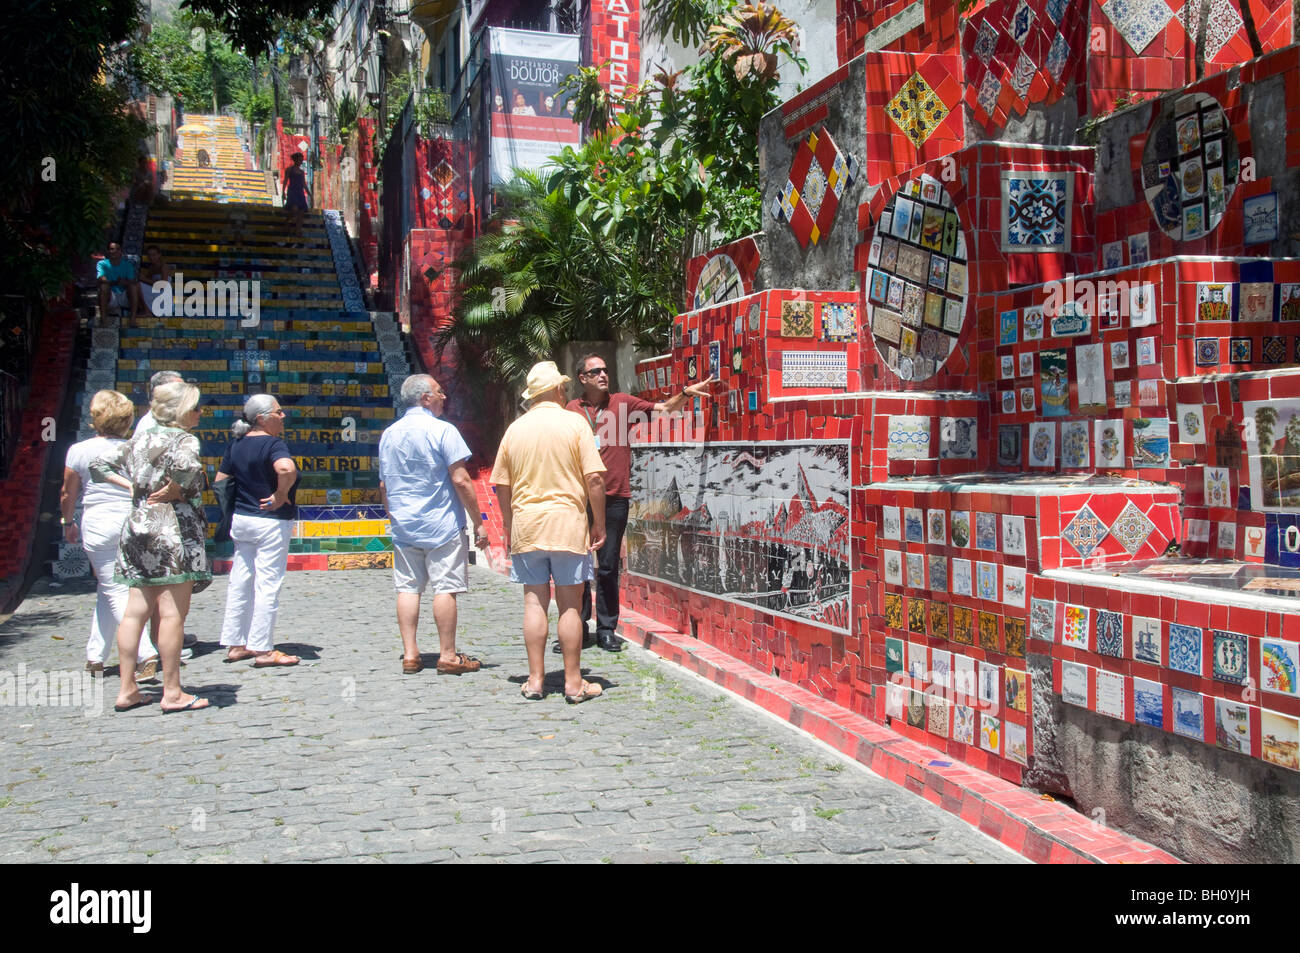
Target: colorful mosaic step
{"points": [[332, 365]]}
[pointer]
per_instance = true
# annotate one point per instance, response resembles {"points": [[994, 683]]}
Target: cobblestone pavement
{"points": [[344, 758]]}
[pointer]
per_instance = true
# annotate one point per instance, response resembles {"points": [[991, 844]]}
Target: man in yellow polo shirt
{"points": [[547, 473]]}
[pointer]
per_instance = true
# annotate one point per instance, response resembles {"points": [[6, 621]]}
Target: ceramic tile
{"points": [[1148, 703], [1013, 535], [1074, 626], [958, 438], [1110, 694], [893, 610], [1042, 444], [796, 319], [914, 524], [1281, 739], [1013, 585], [937, 716], [963, 724], [1076, 444], [890, 522], [1058, 57], [1131, 528], [1009, 450], [961, 577], [1191, 423], [1224, 23], [986, 42], [963, 620], [1231, 659], [936, 527], [1074, 683], [839, 322], [917, 110], [895, 700], [893, 566], [1261, 220], [1148, 646], [991, 733], [1189, 713], [1108, 633], [916, 710], [819, 175], [959, 521], [1036, 211], [1085, 532], [1279, 666], [909, 437], [1013, 635], [916, 577], [1042, 619], [1185, 648], [1232, 725], [893, 656], [986, 580], [986, 531], [988, 631], [1138, 21], [989, 91], [938, 573], [1015, 689], [1109, 444], [1150, 443], [814, 369]]}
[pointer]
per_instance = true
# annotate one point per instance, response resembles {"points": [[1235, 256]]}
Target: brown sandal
{"points": [[461, 664], [275, 659], [412, 666]]}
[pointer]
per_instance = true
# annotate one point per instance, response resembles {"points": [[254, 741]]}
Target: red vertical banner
{"points": [[616, 43]]}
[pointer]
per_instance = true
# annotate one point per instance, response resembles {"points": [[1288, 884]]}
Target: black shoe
{"points": [[555, 648], [609, 641]]}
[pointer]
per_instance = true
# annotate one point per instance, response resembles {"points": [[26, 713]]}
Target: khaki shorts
{"points": [[445, 567]]}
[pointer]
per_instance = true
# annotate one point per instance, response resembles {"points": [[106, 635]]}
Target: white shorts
{"points": [[446, 567]]}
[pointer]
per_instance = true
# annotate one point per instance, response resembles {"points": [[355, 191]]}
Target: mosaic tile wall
{"points": [[1073, 438]]}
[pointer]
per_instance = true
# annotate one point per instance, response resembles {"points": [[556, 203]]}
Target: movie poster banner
{"points": [[531, 121]]}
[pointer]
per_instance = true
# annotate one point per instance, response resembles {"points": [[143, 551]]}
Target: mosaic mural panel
{"points": [[763, 524]]}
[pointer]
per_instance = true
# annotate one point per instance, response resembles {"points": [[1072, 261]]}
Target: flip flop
{"points": [[589, 691], [276, 659], [189, 707], [239, 658], [530, 695], [142, 702]]}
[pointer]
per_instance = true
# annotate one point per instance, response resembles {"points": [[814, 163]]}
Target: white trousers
{"points": [[100, 532], [253, 596]]}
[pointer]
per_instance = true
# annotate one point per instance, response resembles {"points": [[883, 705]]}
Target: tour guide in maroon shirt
{"points": [[607, 413]]}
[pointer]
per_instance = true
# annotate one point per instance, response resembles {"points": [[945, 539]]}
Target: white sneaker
{"points": [[187, 653]]}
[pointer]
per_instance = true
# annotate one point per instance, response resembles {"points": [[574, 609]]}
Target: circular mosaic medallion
{"points": [[1189, 167], [719, 281], [916, 280]]}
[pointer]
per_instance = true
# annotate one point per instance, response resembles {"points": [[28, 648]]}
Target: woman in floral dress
{"points": [[161, 556]]}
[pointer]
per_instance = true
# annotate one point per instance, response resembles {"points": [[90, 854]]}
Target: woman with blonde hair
{"points": [[161, 556], [265, 476], [104, 508]]}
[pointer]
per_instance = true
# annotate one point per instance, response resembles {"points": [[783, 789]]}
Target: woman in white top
{"points": [[105, 508]]}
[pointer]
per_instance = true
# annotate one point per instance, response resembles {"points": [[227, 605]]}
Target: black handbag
{"points": [[225, 492]]}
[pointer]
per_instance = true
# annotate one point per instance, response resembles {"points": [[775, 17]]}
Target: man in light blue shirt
{"points": [[115, 277], [427, 490]]}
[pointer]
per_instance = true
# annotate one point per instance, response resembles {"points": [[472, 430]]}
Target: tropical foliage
{"points": [[599, 245], [73, 144]]}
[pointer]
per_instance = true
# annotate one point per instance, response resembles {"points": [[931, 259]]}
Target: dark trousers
{"points": [[607, 567]]}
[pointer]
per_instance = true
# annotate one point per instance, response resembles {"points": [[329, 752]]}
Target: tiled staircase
{"points": [[231, 176], [331, 364]]}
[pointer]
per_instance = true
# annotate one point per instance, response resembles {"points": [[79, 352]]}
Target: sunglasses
{"points": [[596, 371]]}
